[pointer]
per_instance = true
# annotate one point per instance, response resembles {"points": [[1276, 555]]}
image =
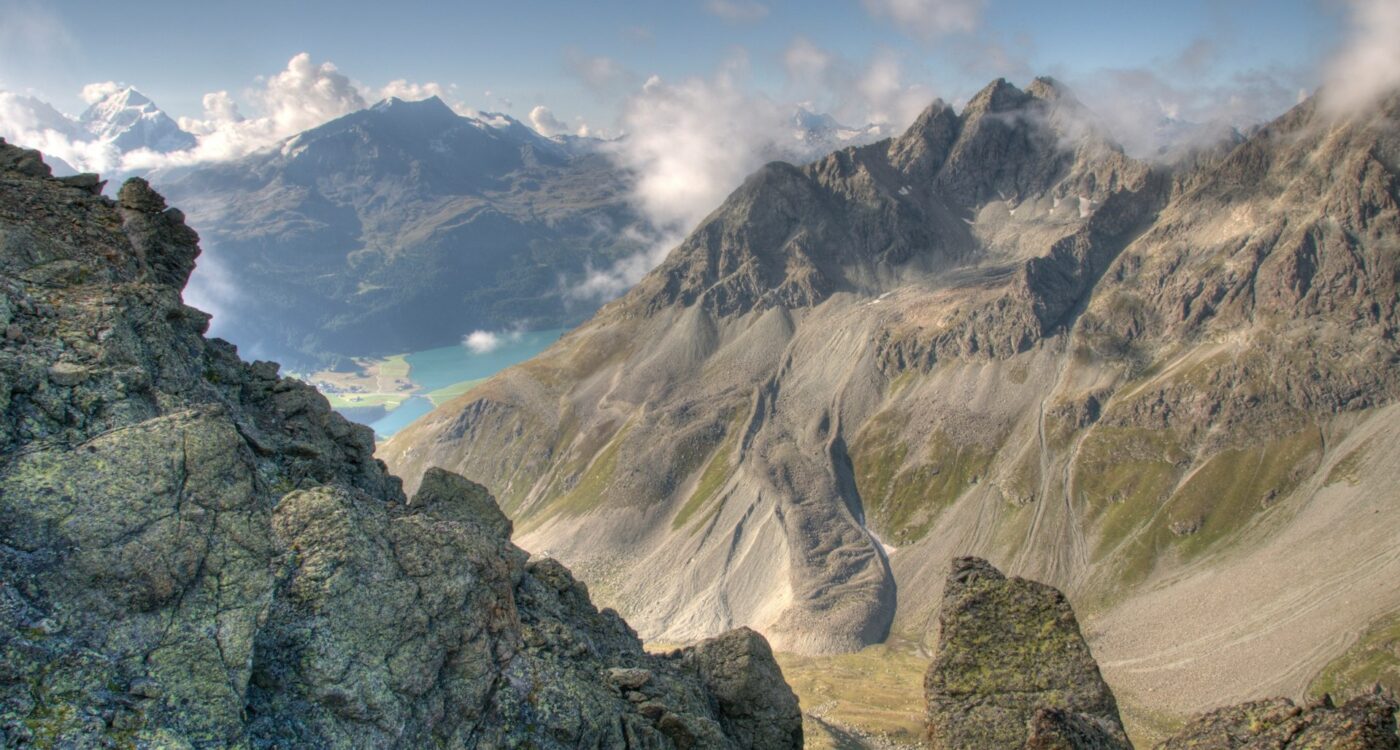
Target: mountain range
{"points": [[197, 552], [402, 226], [405, 225], [1168, 389]]}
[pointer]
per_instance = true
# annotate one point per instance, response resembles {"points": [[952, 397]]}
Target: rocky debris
{"points": [[1366, 722], [195, 552], [1012, 669]]}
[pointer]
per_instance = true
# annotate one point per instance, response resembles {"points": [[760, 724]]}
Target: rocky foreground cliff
{"points": [[1169, 390], [197, 553]]}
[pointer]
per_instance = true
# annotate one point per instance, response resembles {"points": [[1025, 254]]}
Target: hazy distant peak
{"points": [[28, 113], [806, 118]]}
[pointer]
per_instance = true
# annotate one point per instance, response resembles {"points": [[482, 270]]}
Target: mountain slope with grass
{"points": [[1169, 391]]}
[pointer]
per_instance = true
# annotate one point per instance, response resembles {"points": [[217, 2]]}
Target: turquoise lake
{"points": [[433, 369]]}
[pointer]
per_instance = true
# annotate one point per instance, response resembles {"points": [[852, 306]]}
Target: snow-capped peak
{"points": [[128, 120]]}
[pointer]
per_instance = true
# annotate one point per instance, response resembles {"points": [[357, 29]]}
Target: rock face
{"points": [[1366, 722], [195, 552], [1169, 391], [1012, 669]]}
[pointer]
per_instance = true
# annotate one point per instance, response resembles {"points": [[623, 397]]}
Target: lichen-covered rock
{"points": [[195, 553], [1013, 670], [1366, 722]]}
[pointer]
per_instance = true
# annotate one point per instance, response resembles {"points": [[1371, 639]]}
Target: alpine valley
{"points": [[1169, 390]]}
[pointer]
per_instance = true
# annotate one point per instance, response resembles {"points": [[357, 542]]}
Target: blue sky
{"points": [[528, 52]]}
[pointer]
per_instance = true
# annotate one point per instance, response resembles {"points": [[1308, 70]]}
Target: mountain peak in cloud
{"points": [[129, 120]]}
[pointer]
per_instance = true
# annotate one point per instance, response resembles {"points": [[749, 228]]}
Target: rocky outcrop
{"points": [[1012, 669], [1366, 722], [195, 552], [738, 668]]}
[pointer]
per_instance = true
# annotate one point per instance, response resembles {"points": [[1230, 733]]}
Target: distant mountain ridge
{"points": [[403, 226]]}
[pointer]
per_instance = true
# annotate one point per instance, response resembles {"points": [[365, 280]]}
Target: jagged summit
{"points": [[865, 213]]}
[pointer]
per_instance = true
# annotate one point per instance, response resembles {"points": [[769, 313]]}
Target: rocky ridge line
{"points": [[197, 553]]}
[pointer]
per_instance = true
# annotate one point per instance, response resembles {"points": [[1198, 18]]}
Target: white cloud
{"points": [[806, 62], [302, 96], [884, 95], [687, 145], [403, 89], [485, 342], [691, 142], [929, 19], [546, 123], [212, 288], [220, 107], [873, 92], [306, 95], [481, 342], [1152, 112], [737, 11], [96, 92], [1367, 65], [33, 124]]}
